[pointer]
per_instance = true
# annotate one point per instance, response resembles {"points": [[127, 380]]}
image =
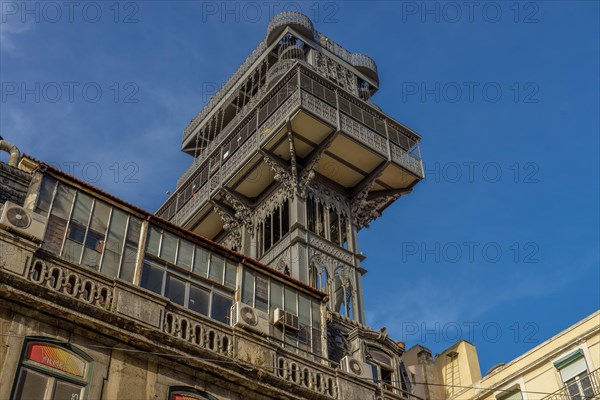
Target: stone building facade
{"points": [[246, 283]]}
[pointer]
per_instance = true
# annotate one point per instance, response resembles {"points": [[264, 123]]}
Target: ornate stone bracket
{"points": [[243, 213], [231, 225], [282, 175], [365, 208]]}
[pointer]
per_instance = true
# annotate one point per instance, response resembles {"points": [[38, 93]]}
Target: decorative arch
{"points": [[343, 292]]}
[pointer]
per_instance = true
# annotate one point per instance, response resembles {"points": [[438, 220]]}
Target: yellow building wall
{"points": [[532, 372]]}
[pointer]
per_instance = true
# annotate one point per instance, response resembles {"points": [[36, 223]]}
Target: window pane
{"points": [[248, 287], [221, 306], [100, 215], [199, 299], [83, 207], [45, 196], [131, 249], [63, 202], [291, 301], [153, 241], [276, 295], [184, 257], [72, 251], [91, 258], [316, 315], [216, 268], [57, 222], [129, 264], [31, 386], [168, 247], [76, 231], [110, 263], [276, 225], [66, 391], [201, 261], [116, 231], [285, 218], [175, 290], [262, 293], [230, 274], [303, 309], [152, 278], [267, 233], [334, 228]]}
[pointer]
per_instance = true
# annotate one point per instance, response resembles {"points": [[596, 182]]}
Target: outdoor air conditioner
{"points": [[285, 319], [355, 367], [250, 318], [22, 221]]}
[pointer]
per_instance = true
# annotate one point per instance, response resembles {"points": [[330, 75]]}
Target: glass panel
{"points": [[57, 222], [248, 287], [110, 263], [72, 251], [285, 218], [217, 264], [276, 225], [55, 232], [175, 290], [199, 300], [116, 231], [184, 257], [131, 249], [99, 220], [316, 315], [320, 220], [91, 258], [316, 341], [312, 215], [129, 264], [168, 247], [63, 202], [201, 261], [334, 228], [303, 309], [220, 307], [267, 233], [31, 386], [83, 207], [344, 231], [262, 293], [291, 301], [67, 391], [152, 277], [76, 231], [153, 241], [230, 274], [45, 196], [276, 295]]}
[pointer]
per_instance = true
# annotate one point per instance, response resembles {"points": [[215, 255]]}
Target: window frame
{"points": [[53, 374]]}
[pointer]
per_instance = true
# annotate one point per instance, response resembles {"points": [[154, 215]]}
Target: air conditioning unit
{"points": [[23, 221], [250, 318], [286, 319], [355, 367]]}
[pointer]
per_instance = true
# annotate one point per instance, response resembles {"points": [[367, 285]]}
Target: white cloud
{"points": [[11, 26]]}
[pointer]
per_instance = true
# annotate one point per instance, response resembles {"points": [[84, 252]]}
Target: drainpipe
{"points": [[15, 154]]}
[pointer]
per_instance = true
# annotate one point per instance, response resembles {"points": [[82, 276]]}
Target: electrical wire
{"points": [[274, 369]]}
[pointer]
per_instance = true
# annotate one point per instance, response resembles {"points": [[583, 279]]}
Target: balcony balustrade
{"points": [[75, 282], [584, 387], [356, 119]]}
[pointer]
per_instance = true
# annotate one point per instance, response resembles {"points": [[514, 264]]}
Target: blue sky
{"points": [[499, 245]]}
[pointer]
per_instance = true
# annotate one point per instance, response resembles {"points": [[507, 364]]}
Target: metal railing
{"points": [[584, 387]]}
